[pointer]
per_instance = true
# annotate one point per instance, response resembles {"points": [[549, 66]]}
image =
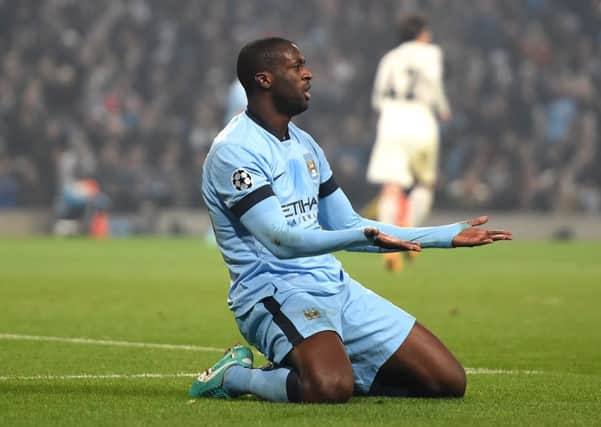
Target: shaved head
{"points": [[259, 55]]}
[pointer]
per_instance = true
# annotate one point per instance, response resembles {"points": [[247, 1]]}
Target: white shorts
{"points": [[406, 147]]}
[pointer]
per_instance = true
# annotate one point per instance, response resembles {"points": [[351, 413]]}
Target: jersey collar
{"points": [[267, 128]]}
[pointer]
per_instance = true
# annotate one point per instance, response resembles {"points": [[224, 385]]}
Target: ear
{"points": [[264, 79]]}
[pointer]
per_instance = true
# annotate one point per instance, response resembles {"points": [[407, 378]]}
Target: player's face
{"points": [[291, 83]]}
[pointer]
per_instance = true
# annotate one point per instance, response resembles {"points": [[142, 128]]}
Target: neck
{"points": [[275, 121], [424, 37]]}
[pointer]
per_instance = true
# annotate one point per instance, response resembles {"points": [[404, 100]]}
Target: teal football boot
{"points": [[210, 382]]}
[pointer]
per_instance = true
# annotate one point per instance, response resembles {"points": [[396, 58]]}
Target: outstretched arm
{"points": [[267, 223], [241, 180], [336, 213]]}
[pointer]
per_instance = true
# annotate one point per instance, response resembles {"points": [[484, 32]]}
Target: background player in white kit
{"points": [[408, 93]]}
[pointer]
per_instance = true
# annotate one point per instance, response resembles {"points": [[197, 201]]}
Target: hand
{"points": [[478, 236], [387, 241]]}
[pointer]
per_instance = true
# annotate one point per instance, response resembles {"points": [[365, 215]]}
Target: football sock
{"points": [[276, 385], [420, 204], [392, 208], [402, 217]]}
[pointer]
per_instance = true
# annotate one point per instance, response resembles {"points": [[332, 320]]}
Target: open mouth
{"points": [[307, 94]]}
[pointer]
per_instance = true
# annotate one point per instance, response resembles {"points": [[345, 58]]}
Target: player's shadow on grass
{"points": [[96, 389], [159, 390]]}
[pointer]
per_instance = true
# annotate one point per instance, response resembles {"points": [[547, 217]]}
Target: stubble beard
{"points": [[289, 106]]}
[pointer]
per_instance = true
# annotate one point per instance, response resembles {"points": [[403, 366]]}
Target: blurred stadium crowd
{"points": [[130, 93]]}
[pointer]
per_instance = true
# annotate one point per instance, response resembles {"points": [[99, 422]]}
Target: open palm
{"points": [[478, 236]]}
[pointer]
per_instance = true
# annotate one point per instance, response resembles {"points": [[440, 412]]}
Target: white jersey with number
{"points": [[407, 91]]}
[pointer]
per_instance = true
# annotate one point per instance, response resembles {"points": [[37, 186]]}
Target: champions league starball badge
{"points": [[242, 179]]}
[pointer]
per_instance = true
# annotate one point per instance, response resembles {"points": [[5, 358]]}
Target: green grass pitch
{"points": [[525, 318]]}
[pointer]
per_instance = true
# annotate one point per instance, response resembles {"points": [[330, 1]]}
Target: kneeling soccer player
{"points": [[278, 213]]}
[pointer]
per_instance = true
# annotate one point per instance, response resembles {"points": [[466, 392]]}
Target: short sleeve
{"points": [[240, 177]]}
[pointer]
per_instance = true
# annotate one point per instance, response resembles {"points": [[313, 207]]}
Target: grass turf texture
{"points": [[518, 306]]}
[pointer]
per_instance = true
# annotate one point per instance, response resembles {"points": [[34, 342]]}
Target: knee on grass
{"points": [[452, 384], [327, 389]]}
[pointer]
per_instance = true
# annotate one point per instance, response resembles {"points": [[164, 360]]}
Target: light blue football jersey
{"points": [[245, 163]]}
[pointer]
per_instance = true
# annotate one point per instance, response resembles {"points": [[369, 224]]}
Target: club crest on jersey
{"points": [[242, 179], [311, 165], [312, 314]]}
